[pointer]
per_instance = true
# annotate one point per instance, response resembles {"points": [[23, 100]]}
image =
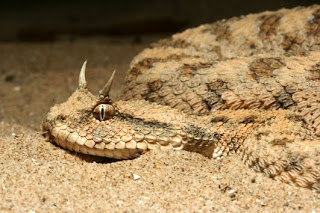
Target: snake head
{"points": [[95, 125], [82, 121]]}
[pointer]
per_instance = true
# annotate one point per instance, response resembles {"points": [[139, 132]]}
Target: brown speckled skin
{"points": [[261, 61], [247, 85]]}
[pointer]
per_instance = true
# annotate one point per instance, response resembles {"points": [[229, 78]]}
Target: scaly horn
{"points": [[82, 77], [106, 89]]}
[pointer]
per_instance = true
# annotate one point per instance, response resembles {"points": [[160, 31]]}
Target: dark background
{"points": [[39, 20]]}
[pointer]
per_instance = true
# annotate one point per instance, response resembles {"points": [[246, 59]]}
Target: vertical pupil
{"points": [[102, 112]]}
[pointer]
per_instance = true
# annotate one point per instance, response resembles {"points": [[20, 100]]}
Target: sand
{"points": [[38, 176]]}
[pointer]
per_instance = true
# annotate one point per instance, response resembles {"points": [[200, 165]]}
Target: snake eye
{"points": [[103, 112]]}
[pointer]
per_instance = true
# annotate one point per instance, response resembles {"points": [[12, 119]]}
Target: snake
{"points": [[248, 85]]}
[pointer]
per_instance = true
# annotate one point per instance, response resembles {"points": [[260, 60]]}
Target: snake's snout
{"points": [[45, 130], [45, 126]]}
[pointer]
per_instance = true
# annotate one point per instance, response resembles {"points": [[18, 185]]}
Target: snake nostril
{"points": [[61, 117]]}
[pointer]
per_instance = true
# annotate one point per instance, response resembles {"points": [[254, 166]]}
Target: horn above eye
{"points": [[106, 89], [82, 77]]}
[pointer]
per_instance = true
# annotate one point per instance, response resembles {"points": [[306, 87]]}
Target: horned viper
{"points": [[248, 85]]}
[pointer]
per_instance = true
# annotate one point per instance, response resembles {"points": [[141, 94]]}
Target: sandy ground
{"points": [[37, 176]]}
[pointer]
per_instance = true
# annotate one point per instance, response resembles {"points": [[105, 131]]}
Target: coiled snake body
{"points": [[247, 85]]}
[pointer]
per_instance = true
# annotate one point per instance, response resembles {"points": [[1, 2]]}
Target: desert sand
{"points": [[38, 176]]}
